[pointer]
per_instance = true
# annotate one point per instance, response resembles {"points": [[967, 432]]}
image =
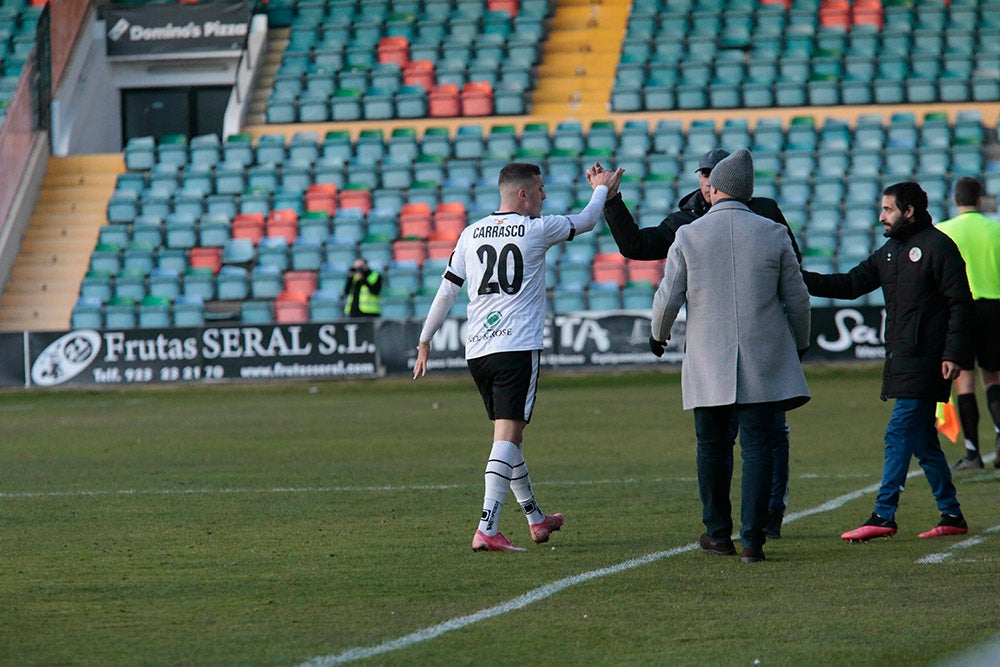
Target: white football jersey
{"points": [[502, 259]]}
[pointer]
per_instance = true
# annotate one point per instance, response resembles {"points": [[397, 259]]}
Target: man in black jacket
{"points": [[928, 310], [652, 243]]}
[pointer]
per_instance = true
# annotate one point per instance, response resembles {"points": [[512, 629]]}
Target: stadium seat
{"points": [[164, 282], [477, 99], [232, 283], [154, 312], [119, 313], [396, 304], [248, 226], [291, 308], [188, 311], [603, 296], [199, 281], [326, 306], [273, 251], [257, 312], [306, 254], [443, 101]]}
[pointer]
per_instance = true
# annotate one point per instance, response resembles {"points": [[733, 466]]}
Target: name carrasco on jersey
{"points": [[498, 231]]}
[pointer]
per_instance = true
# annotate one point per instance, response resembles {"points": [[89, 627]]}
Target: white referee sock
{"points": [[520, 484], [498, 474]]}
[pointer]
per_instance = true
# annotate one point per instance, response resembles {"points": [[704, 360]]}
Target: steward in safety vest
{"points": [[361, 289]]}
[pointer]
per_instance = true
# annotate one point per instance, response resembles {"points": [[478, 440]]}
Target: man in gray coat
{"points": [[747, 327]]}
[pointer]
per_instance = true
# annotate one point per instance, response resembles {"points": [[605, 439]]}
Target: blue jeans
{"points": [[715, 468], [779, 461], [910, 433]]}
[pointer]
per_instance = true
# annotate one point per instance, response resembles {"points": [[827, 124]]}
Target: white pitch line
{"points": [[548, 590], [304, 489], [86, 493], [942, 556]]}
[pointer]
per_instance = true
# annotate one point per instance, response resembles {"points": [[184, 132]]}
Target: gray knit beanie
{"points": [[734, 175]]}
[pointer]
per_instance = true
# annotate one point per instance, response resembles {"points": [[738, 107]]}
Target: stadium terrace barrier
{"points": [[365, 348]]}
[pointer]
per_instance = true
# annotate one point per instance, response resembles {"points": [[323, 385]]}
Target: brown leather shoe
{"points": [[708, 545], [752, 555]]}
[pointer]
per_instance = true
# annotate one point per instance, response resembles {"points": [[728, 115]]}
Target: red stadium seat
{"points": [[248, 226], [639, 271], [283, 222], [321, 197], [512, 7], [419, 73], [291, 308], [477, 99], [415, 220], [393, 49], [409, 250], [609, 267], [356, 198], [301, 282], [444, 101], [205, 257]]}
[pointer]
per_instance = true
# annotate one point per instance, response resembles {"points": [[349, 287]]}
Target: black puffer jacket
{"points": [[928, 308], [653, 242]]}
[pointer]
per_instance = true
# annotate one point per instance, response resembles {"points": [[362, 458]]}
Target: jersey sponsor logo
{"points": [[489, 335], [492, 319], [915, 254], [498, 231]]}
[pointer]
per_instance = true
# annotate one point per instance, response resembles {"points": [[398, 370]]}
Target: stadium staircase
{"points": [[45, 281], [277, 40], [581, 54]]}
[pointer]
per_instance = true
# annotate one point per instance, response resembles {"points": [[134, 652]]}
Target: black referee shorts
{"points": [[986, 333], [508, 382]]}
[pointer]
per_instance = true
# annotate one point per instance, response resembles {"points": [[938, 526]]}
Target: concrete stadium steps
{"points": [[577, 68], [277, 40], [55, 251]]}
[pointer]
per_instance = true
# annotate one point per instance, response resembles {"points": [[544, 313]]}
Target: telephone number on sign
{"points": [[165, 374]]}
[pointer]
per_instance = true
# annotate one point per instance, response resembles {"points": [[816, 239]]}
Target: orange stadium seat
{"points": [[609, 267], [301, 282], [393, 49], [353, 196], [205, 257], [248, 226], [321, 197], [291, 308], [641, 271], [409, 250], [419, 73], [415, 220], [477, 98], [444, 101]]}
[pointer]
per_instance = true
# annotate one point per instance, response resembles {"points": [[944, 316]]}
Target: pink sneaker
{"points": [[865, 533], [949, 525], [874, 527], [483, 542], [540, 531]]}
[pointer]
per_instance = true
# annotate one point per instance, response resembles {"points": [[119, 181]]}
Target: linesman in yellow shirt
{"points": [[978, 239]]}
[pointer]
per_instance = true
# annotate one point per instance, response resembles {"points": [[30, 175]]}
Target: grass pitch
{"points": [[274, 524]]}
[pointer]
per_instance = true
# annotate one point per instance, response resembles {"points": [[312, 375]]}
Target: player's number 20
{"points": [[503, 270]]}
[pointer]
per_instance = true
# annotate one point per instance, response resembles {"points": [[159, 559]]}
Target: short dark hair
{"points": [[518, 174], [968, 191], [909, 194]]}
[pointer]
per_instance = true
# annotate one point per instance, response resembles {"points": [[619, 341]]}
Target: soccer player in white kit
{"points": [[502, 256]]}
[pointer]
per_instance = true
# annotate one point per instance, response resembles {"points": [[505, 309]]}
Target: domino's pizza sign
{"points": [[153, 29]]}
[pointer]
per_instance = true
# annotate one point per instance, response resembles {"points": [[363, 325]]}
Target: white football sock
{"points": [[520, 484], [497, 477]]}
